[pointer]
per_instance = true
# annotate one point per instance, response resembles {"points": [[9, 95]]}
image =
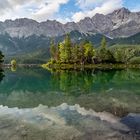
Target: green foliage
{"points": [[135, 60], [54, 51], [62, 53], [67, 45], [65, 50], [13, 63], [118, 55], [103, 54], [75, 54], [85, 53], [103, 43], [124, 53], [89, 52], [81, 54]]}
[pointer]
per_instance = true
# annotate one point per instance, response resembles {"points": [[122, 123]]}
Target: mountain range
{"points": [[24, 35]]}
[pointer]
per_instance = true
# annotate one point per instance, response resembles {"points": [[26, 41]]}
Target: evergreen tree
{"points": [[104, 55], [74, 54], [89, 52], [81, 54], [57, 57], [103, 43], [62, 53], [68, 46]]}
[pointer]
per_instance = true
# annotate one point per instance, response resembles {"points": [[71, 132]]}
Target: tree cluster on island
{"points": [[86, 53]]}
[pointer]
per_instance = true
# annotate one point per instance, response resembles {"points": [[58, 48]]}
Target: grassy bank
{"points": [[89, 66]]}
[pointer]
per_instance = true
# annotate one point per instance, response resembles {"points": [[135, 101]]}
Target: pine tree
{"points": [[103, 43], [68, 46], [81, 54], [74, 54], [104, 55], [89, 52], [62, 53]]}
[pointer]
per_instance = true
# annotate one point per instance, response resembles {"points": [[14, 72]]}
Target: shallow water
{"points": [[84, 105]]}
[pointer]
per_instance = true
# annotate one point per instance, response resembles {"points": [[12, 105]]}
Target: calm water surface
{"points": [[69, 105]]}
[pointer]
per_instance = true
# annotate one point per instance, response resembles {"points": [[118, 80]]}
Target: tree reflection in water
{"points": [[1, 74], [81, 81], [114, 91]]}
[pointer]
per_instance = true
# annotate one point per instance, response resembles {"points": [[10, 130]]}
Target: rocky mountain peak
{"points": [[120, 15], [122, 11], [119, 23]]}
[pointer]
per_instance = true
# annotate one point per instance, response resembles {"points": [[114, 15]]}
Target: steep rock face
{"points": [[102, 23], [125, 23], [20, 27], [120, 23], [51, 28]]}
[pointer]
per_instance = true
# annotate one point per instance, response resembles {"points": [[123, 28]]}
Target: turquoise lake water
{"points": [[78, 105]]}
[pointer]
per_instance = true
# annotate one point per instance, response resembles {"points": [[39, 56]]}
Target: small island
{"points": [[84, 55]]}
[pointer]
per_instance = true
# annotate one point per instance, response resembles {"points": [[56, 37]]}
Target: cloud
{"points": [[48, 9], [42, 10], [102, 7], [4, 6], [85, 4], [37, 9]]}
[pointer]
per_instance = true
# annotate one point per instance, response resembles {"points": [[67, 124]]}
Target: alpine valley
{"points": [[30, 39]]}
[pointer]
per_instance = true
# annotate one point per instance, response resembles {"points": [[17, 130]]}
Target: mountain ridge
{"points": [[120, 23]]}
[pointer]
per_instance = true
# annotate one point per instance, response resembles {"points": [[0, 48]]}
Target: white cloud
{"points": [[104, 7], [37, 9], [48, 9], [85, 4], [42, 10]]}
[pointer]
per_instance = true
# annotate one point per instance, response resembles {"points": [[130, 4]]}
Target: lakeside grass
{"points": [[89, 66]]}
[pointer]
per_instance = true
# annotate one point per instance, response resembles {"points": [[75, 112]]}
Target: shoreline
{"points": [[89, 66], [20, 65]]}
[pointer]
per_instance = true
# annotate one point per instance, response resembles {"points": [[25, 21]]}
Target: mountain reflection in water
{"points": [[79, 105], [65, 122]]}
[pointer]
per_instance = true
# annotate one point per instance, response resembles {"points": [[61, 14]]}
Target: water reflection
{"points": [[71, 83], [13, 68], [97, 81], [65, 122], [112, 91], [82, 82], [77, 105], [1, 74]]}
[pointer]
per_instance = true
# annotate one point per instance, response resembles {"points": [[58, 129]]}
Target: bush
{"points": [[13, 63], [135, 60]]}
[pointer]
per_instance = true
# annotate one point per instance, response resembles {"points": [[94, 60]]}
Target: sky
{"points": [[61, 10]]}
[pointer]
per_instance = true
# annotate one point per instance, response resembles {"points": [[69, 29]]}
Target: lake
{"points": [[36, 104]]}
